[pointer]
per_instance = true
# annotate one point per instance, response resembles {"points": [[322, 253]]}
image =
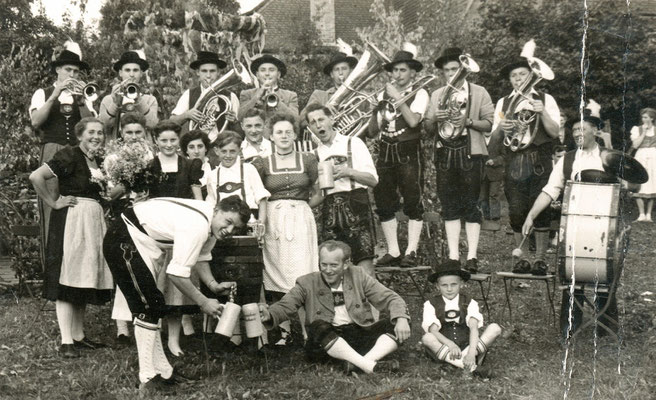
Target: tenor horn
{"points": [[454, 99]]}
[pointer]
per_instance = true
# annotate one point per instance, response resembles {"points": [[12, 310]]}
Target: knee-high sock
{"points": [[160, 362], [439, 351], [541, 244], [444, 354], [174, 326], [65, 314], [452, 229], [236, 334], [473, 231], [389, 231], [384, 346], [145, 334], [187, 325], [414, 233], [341, 350], [122, 328], [78, 321], [488, 337]]}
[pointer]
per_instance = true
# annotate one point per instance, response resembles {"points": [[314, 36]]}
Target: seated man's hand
{"points": [[402, 330], [264, 312], [212, 307], [454, 350], [469, 360]]}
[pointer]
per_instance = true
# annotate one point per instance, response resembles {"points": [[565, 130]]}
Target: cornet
{"points": [[80, 88], [270, 98], [130, 91]]}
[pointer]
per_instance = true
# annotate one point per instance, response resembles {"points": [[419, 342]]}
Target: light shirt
{"points": [[429, 317], [550, 107], [361, 158], [165, 221], [248, 150], [418, 105], [65, 97], [635, 132], [584, 159], [342, 316], [253, 185]]}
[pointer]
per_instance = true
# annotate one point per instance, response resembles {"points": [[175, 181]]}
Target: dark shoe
{"points": [[539, 268], [176, 378], [86, 344], [68, 351], [123, 341], [156, 384], [472, 266], [387, 366], [388, 261], [522, 267], [350, 369], [409, 260]]}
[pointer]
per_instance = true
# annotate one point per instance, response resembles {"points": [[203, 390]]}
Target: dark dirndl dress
{"points": [[76, 271]]}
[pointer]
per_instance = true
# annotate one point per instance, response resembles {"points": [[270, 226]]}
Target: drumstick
{"points": [[518, 251]]}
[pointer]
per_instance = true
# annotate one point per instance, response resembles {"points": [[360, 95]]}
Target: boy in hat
{"points": [[208, 66], [54, 111], [269, 70], [452, 321], [527, 170], [398, 164], [130, 68], [459, 161]]}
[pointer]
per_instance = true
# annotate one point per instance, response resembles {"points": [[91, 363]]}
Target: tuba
{"points": [[354, 108], [454, 99], [215, 105], [522, 135]]}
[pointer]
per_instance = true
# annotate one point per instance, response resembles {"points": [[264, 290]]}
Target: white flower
{"points": [[97, 174]]}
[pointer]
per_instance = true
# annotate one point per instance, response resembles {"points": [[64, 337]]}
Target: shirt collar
{"points": [[453, 301], [594, 151]]}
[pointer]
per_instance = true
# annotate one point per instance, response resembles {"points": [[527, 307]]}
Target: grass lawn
{"points": [[525, 363]]}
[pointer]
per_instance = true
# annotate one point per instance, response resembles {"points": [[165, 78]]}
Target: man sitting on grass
{"points": [[338, 301], [451, 321]]}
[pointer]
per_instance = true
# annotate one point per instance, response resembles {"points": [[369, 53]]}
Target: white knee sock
{"points": [[445, 355], [473, 231], [78, 322], [65, 313], [452, 229], [384, 346], [174, 327], [341, 350], [187, 325], [389, 231], [145, 334], [160, 362], [122, 328], [414, 233]]}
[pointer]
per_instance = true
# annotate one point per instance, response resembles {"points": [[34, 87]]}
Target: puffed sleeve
{"points": [[635, 132], [63, 163], [196, 172], [254, 183], [311, 166], [474, 312]]}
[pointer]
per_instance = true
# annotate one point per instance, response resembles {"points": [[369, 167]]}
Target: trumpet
{"points": [[130, 89], [389, 108], [270, 98], [90, 90]]}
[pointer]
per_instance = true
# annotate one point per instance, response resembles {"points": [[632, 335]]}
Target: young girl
{"points": [[196, 146]]}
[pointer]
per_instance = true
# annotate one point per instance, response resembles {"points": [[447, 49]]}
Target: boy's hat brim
{"points": [[449, 267]]}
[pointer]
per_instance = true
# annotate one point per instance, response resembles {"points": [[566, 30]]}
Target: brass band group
{"points": [[137, 210]]}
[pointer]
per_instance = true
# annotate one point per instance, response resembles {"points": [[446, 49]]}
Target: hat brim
{"points": [[595, 121], [351, 61], [120, 63], [507, 69], [463, 274], [414, 64], [282, 68], [439, 63], [218, 62], [79, 64]]}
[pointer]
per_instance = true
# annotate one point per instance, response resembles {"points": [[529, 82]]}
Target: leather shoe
{"points": [[176, 378], [388, 260], [539, 268], [123, 341], [409, 260], [68, 351], [522, 267], [387, 366], [472, 266], [86, 344], [154, 385]]}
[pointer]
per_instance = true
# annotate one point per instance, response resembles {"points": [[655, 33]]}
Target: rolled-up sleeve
{"points": [[420, 103], [556, 181], [474, 312], [187, 246], [256, 187], [429, 318]]}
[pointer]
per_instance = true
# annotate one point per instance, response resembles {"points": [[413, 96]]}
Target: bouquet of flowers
{"points": [[126, 163]]}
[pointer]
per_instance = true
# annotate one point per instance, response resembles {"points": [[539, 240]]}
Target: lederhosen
{"points": [[347, 216], [527, 172], [230, 187], [456, 331], [399, 169], [131, 274], [459, 175]]}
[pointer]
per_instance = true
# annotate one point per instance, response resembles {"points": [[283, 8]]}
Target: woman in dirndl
{"points": [[76, 271], [290, 241], [174, 176], [643, 138]]}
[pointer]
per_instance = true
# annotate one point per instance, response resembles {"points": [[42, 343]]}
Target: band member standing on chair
{"points": [[527, 169], [54, 111], [127, 95], [398, 165], [459, 115], [347, 214], [269, 97], [208, 65]]}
